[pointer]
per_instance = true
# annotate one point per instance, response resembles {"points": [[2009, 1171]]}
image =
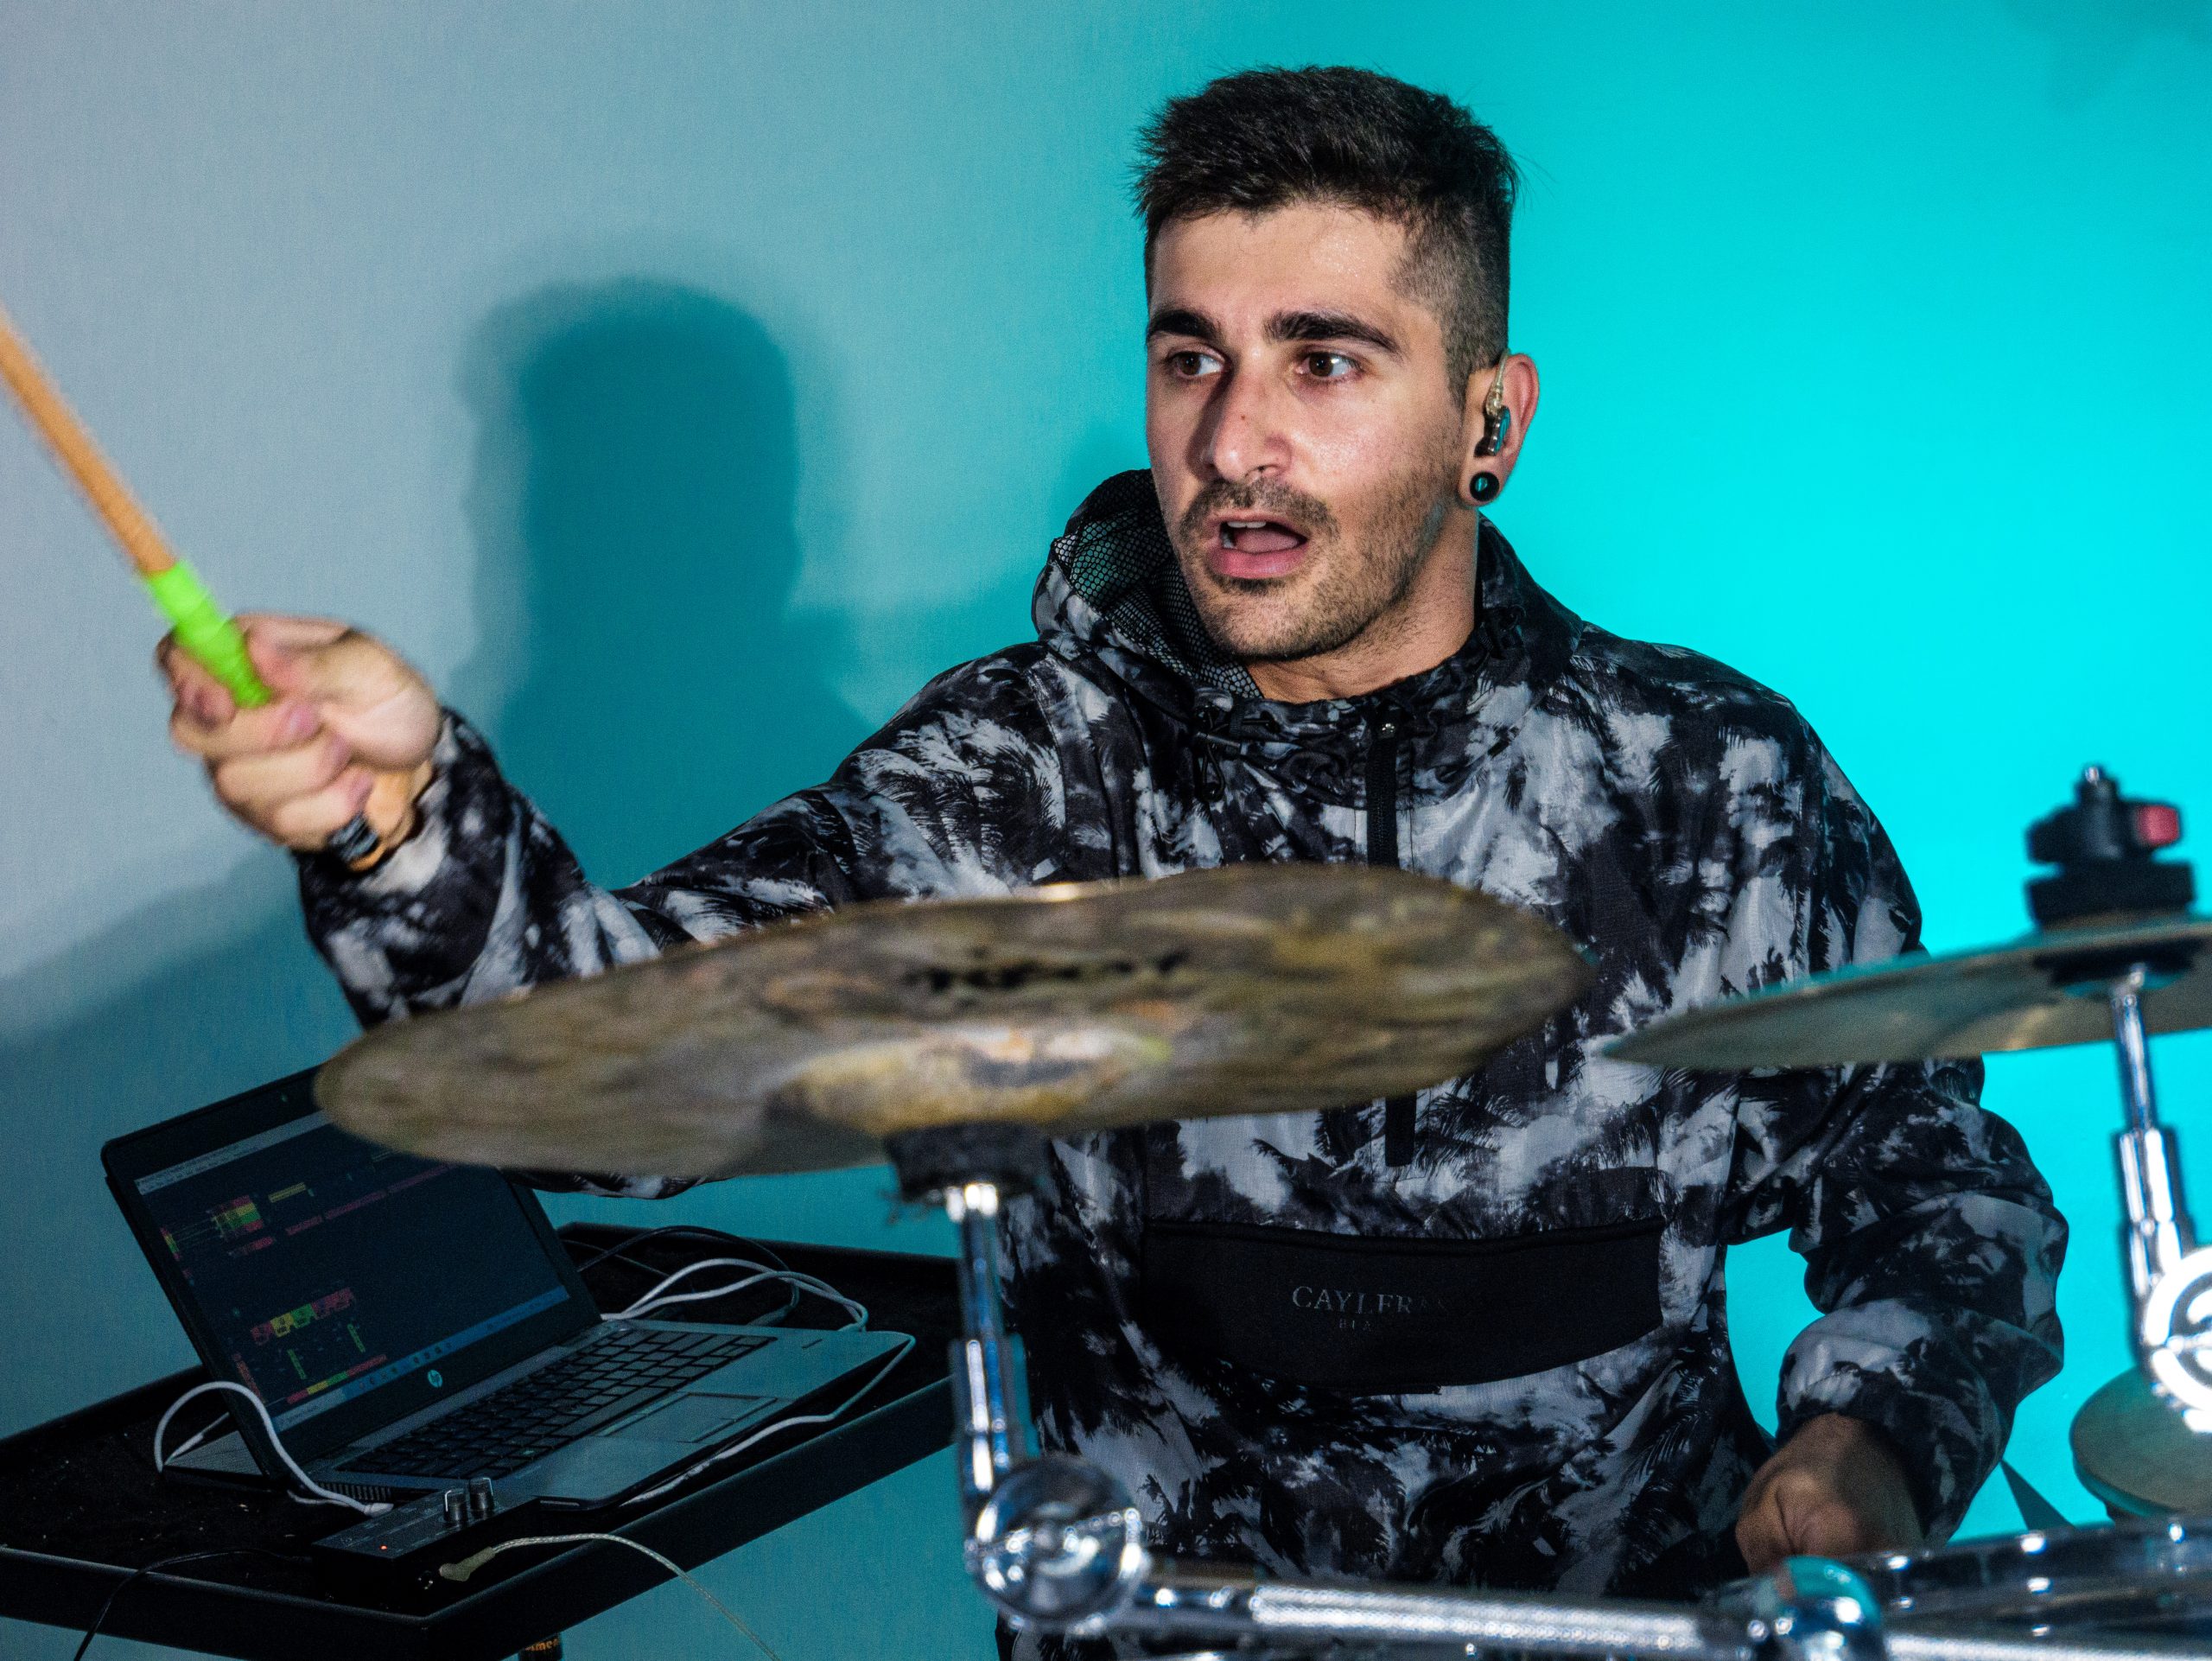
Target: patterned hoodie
{"points": [[1476, 1337]]}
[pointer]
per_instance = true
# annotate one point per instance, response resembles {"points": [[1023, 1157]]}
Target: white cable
{"points": [[858, 1311], [690, 1268], [467, 1565], [322, 1495], [653, 1300], [772, 1428], [192, 1440]]}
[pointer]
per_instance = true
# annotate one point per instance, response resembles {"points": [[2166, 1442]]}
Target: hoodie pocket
{"points": [[1394, 1316]]}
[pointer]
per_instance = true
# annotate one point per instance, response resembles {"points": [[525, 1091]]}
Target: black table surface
{"points": [[81, 1507]]}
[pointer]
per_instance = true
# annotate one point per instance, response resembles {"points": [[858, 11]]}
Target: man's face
{"points": [[1305, 444]]}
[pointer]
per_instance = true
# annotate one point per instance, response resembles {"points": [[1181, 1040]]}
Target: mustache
{"points": [[1261, 498]]}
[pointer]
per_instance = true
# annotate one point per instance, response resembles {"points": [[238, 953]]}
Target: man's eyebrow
{"points": [[1328, 325], [1181, 320]]}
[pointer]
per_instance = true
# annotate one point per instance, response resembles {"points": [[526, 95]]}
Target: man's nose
{"points": [[1249, 435]]}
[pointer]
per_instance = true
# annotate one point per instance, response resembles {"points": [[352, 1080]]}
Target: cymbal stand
{"points": [[2105, 850], [1057, 1545], [2169, 1276]]}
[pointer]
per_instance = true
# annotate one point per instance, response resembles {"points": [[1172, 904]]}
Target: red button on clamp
{"points": [[2157, 825]]}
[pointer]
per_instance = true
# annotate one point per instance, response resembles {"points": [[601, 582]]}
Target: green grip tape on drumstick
{"points": [[208, 636], [213, 640]]}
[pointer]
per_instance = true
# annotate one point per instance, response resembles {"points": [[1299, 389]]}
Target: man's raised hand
{"points": [[349, 732]]}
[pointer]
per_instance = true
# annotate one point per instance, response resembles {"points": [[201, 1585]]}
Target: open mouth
{"points": [[1255, 548]]}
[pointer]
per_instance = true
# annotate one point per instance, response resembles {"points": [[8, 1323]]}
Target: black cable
{"points": [[132, 1579], [2034, 1511]]}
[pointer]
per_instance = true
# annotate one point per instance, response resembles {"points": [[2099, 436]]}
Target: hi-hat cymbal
{"points": [[1244, 990], [2134, 1450], [2035, 993]]}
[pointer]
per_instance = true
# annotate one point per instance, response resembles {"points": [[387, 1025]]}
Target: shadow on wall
{"points": [[636, 477], [632, 506]]}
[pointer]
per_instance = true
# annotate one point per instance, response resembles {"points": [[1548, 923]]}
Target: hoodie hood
{"points": [[1112, 583]]}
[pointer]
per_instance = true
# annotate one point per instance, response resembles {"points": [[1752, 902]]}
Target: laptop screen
{"points": [[325, 1267]]}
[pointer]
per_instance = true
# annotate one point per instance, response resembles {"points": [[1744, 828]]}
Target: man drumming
{"points": [[1297, 637]]}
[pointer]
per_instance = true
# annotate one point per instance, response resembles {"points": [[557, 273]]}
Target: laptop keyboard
{"points": [[564, 1400]]}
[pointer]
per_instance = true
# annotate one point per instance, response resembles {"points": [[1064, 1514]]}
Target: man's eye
{"points": [[1329, 365], [1190, 365]]}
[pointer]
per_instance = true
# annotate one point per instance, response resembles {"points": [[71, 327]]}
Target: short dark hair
{"points": [[1265, 138]]}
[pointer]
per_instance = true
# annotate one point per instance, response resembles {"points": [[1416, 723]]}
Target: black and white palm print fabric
{"points": [[1218, 1311]]}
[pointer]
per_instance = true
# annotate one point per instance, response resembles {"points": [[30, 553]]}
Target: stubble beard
{"points": [[1351, 591]]}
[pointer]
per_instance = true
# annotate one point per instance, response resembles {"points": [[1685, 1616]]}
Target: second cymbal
{"points": [[2035, 993]]}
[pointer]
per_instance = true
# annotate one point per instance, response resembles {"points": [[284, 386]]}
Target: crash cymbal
{"points": [[2134, 1450], [2040, 991], [1245, 990]]}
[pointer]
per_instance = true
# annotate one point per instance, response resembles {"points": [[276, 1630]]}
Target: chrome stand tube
{"points": [[1053, 1542], [1180, 1601], [1802, 1622], [983, 1359], [2158, 1233], [2125, 995]]}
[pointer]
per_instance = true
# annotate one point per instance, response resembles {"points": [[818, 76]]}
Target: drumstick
{"points": [[204, 632]]}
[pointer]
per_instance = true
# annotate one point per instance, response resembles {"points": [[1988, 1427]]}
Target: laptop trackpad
{"points": [[694, 1417]]}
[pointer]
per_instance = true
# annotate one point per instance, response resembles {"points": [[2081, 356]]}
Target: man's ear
{"points": [[1498, 404]]}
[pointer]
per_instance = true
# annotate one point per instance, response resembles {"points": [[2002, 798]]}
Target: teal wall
{"points": [[681, 384]]}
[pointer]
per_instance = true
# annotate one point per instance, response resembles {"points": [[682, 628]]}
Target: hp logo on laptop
{"points": [[437, 1379]]}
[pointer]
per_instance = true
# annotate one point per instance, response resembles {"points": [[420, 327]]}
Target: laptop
{"points": [[410, 1324]]}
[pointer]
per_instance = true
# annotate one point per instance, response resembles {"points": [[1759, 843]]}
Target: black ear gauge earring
{"points": [[1497, 426]]}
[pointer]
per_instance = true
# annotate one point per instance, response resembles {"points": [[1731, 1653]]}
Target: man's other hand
{"points": [[1833, 1490], [349, 732]]}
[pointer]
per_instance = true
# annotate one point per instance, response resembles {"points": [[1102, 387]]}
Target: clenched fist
{"points": [[349, 732], [1833, 1490]]}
